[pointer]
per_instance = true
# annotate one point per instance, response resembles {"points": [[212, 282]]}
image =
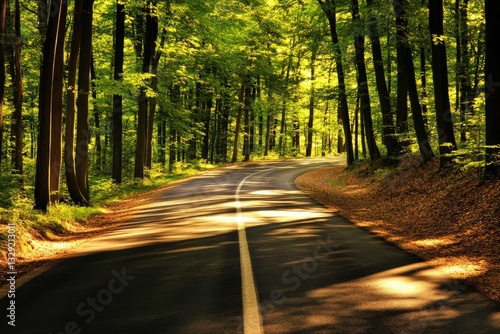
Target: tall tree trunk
{"points": [[69, 155], [82, 126], [492, 72], [359, 45], [310, 123], [238, 123], [423, 80], [97, 121], [388, 131], [251, 132], [466, 96], [326, 120], [46, 102], [172, 146], [402, 104], [117, 117], [446, 135], [329, 7], [152, 101], [142, 119], [258, 91], [269, 121], [224, 122], [17, 117], [356, 130], [57, 118], [425, 149], [193, 142], [423, 76], [247, 107], [3, 24], [207, 99], [281, 144]]}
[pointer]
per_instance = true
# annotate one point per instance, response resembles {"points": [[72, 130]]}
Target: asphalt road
{"points": [[241, 250]]}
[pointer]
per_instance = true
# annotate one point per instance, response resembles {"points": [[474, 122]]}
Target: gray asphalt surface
{"points": [[175, 268]]}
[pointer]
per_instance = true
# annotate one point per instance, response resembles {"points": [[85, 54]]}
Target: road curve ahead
{"points": [[241, 250]]}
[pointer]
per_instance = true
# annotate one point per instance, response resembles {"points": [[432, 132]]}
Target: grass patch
{"points": [[336, 183]]}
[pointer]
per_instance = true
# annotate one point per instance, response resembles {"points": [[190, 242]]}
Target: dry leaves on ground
{"points": [[448, 217]]}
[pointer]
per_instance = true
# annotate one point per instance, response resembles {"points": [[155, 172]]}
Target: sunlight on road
{"points": [[419, 292]]}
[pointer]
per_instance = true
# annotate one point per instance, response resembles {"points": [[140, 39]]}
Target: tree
{"points": [[446, 136], [3, 22], [238, 123], [364, 94], [48, 92], [408, 68], [247, 107], [312, 99], [17, 121], [151, 33], [69, 150], [82, 125], [492, 75], [464, 91], [329, 7], [388, 130], [57, 119], [117, 98]]}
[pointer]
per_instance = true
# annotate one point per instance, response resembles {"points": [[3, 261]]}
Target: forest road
{"points": [[179, 265]]}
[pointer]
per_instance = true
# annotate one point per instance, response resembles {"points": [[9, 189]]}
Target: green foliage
{"points": [[218, 45]]}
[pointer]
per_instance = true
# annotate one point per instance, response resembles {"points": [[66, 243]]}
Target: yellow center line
{"points": [[252, 319]]}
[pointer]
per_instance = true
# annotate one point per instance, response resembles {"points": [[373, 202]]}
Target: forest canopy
{"points": [[121, 90]]}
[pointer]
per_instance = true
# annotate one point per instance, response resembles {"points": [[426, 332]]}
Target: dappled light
{"points": [[435, 242]]}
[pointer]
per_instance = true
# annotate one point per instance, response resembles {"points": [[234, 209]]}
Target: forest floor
{"points": [[451, 217]]}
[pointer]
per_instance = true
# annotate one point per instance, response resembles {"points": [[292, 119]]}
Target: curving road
{"points": [[241, 250]]}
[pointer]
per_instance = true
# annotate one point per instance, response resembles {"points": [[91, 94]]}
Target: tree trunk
{"points": [[388, 131], [117, 117], [492, 71], [152, 101], [325, 141], [193, 142], [466, 96], [47, 93], [423, 80], [402, 104], [364, 94], [247, 107], [238, 123], [142, 119], [356, 130], [425, 149], [172, 146], [3, 22], [82, 126], [207, 99], [281, 145], [224, 123], [446, 135], [17, 117], [310, 123], [261, 115], [97, 121], [329, 7], [69, 156], [57, 118]]}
